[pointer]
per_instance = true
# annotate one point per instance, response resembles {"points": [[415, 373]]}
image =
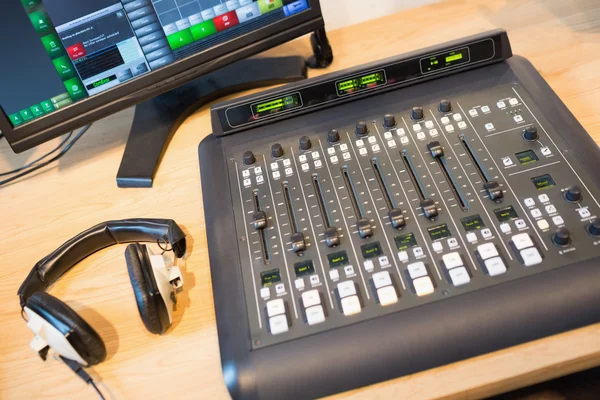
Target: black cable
{"points": [[14, 171], [91, 382], [80, 372], [56, 157]]}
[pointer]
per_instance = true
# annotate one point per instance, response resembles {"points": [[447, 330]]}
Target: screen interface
{"points": [[63, 51]]}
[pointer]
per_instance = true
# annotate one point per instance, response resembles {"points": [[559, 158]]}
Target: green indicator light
{"points": [[367, 80], [269, 106], [454, 57]]}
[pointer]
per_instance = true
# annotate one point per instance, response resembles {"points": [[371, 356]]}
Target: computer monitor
{"points": [[67, 63]]}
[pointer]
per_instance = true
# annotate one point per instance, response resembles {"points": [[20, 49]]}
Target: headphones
{"points": [[155, 282]]}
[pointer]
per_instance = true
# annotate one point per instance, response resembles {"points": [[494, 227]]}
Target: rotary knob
{"points": [[573, 194], [417, 113], [276, 150], [445, 106], [249, 158], [594, 228], [361, 128], [389, 121], [562, 237], [333, 136], [305, 143], [531, 134]]}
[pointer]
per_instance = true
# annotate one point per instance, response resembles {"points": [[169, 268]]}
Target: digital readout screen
{"points": [[371, 250], [543, 182], [404, 242], [268, 278], [445, 60], [472, 223], [338, 259], [304, 268], [276, 106], [439, 232], [527, 157], [506, 214], [363, 82]]}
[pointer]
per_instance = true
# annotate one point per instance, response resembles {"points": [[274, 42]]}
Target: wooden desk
{"points": [[561, 38]]}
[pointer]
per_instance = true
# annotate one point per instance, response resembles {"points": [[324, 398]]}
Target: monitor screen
{"points": [[62, 52]]}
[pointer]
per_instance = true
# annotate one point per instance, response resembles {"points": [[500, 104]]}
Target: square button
{"points": [[462, 125], [387, 296], [402, 256], [501, 104], [423, 286], [260, 179], [334, 274], [289, 172], [311, 298], [522, 241], [445, 120], [417, 270], [550, 209], [305, 167], [471, 237], [318, 164], [346, 288], [404, 140], [543, 224], [247, 182], [536, 213], [391, 143], [334, 160], [280, 288], [417, 128], [489, 126], [351, 305], [433, 133], [331, 151], [485, 109], [360, 143], [246, 173], [452, 243], [429, 124], [529, 202], [437, 246], [495, 266], [369, 266], [487, 251], [372, 139], [315, 315], [382, 279], [459, 276], [287, 163], [265, 293], [388, 135], [418, 252], [274, 166], [276, 175], [507, 161], [449, 128], [546, 151], [421, 135], [531, 257], [315, 155], [362, 152], [278, 324], [452, 260], [349, 270], [400, 131], [473, 113], [544, 198], [505, 228], [314, 280], [375, 148], [584, 213], [346, 156], [343, 147], [486, 233], [299, 283], [513, 102], [383, 261], [275, 307], [257, 170], [457, 117], [520, 224], [518, 118], [558, 220], [302, 158]]}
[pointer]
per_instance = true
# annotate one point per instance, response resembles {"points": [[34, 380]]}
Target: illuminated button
{"points": [[495, 266], [546, 151], [383, 261], [418, 252], [314, 280], [362, 152], [343, 147], [387, 296], [247, 182], [457, 117], [315, 315], [543, 224], [375, 148], [280, 288], [423, 286], [486, 233], [382, 279], [315, 155], [489, 126], [349, 270], [473, 113], [544, 198], [462, 125], [487, 251], [278, 324], [584, 213], [518, 118], [433, 133], [536, 213], [299, 283], [318, 164], [471, 237], [289, 172], [550, 209], [520, 224], [334, 160], [351, 305], [437, 246], [529, 202], [513, 102], [449, 128], [360, 143], [246, 173], [404, 140], [417, 270], [265, 293], [369, 266], [388, 135], [429, 124], [276, 175], [331, 151], [452, 243], [402, 256], [417, 127], [501, 104], [522, 241], [372, 139], [391, 143], [260, 179], [274, 166], [258, 170], [275, 307], [445, 120], [459, 276], [558, 220], [287, 163], [507, 161], [334, 274], [400, 132], [346, 156], [305, 167], [302, 158], [531, 257], [505, 228], [452, 260], [421, 136], [485, 109], [311, 298], [346, 288]]}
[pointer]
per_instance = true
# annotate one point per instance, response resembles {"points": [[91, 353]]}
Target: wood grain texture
{"points": [[561, 38]]}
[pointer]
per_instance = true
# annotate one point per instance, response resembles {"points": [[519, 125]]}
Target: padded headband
{"points": [[48, 270]]}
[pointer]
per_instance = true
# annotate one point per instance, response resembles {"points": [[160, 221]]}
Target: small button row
{"points": [[349, 298], [488, 254], [526, 250], [312, 307], [456, 269], [278, 322], [420, 279], [385, 291]]}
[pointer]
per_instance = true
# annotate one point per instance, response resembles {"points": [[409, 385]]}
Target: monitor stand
{"points": [[156, 120]]}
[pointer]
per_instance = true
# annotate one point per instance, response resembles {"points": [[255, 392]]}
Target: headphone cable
{"points": [[80, 372]]}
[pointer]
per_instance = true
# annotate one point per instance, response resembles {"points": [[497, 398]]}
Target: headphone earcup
{"points": [[84, 339], [151, 306]]}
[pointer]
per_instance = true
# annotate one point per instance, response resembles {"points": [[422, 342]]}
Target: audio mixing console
{"points": [[396, 217]]}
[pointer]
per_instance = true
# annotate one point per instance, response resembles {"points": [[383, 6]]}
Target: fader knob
{"points": [[332, 238], [594, 228], [333, 136], [429, 209], [305, 143], [573, 195], [298, 242], [445, 106], [435, 149], [397, 218], [530, 134], [389, 121], [361, 128], [249, 158], [562, 237], [417, 113], [365, 230], [276, 150], [259, 220], [494, 191]]}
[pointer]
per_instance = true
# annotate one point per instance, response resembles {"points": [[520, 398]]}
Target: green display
{"points": [[454, 57], [446, 60], [371, 250], [268, 278], [543, 182], [506, 214], [404, 242], [361, 82], [527, 157], [274, 106], [439, 232], [304, 268], [472, 223], [338, 259]]}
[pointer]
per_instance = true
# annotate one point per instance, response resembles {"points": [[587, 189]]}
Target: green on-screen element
{"points": [[26, 115], [30, 5], [47, 106], [37, 110], [203, 29], [52, 45], [63, 103], [16, 119], [269, 5], [75, 89], [454, 57], [40, 22], [64, 67], [180, 39], [59, 98]]}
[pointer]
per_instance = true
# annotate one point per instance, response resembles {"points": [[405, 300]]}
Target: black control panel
{"points": [[380, 200]]}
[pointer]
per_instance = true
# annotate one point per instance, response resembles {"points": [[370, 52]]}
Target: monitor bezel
{"points": [[160, 81]]}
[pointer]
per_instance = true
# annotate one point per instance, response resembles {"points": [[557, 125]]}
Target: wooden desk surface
{"points": [[561, 38]]}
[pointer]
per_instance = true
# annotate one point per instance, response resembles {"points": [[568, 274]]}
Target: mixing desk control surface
{"points": [[337, 210]]}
